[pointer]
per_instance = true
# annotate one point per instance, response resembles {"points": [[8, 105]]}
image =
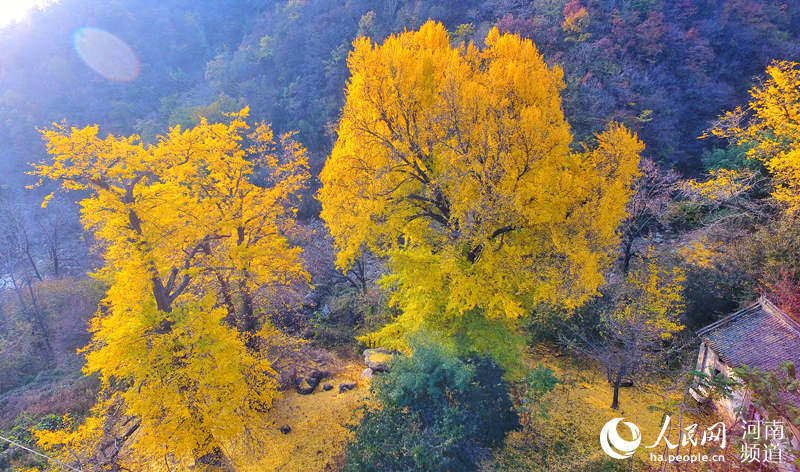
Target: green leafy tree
{"points": [[434, 412]]}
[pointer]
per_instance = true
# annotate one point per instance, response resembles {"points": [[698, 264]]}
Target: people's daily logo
{"points": [[762, 441], [613, 444]]}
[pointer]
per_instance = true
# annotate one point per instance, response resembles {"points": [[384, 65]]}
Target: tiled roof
{"points": [[760, 335]]}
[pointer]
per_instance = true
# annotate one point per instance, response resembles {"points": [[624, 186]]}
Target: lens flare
{"points": [[106, 54]]}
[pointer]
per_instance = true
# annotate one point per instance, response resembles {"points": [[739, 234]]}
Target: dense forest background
{"points": [[664, 69]]}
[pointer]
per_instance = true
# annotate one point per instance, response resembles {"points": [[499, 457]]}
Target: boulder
{"points": [[285, 429], [306, 385], [319, 374], [367, 374], [327, 387], [379, 360], [345, 386]]}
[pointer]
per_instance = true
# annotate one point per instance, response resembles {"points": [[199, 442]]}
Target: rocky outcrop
{"points": [[379, 360], [345, 386]]}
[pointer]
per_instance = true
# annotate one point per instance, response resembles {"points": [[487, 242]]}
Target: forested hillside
{"points": [[665, 69], [389, 235]]}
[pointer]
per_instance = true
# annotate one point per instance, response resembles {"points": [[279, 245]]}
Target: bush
{"points": [[433, 412], [733, 157]]}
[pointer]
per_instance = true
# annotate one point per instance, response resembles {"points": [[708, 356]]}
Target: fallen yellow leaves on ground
{"points": [[568, 438], [318, 423]]}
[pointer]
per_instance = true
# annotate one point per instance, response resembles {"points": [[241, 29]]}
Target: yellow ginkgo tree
{"points": [[188, 242], [769, 128], [457, 165], [636, 319]]}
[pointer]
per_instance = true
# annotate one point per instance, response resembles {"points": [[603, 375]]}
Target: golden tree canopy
{"points": [[188, 239], [770, 128], [456, 164]]}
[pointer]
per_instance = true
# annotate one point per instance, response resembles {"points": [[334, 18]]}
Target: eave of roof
{"points": [[760, 335]]}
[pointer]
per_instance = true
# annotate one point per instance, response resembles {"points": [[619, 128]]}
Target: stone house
{"points": [[761, 336]]}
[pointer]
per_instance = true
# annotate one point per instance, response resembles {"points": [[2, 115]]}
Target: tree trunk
{"points": [[30, 258], [163, 303], [361, 274], [18, 290], [227, 299], [248, 322], [627, 253], [37, 315], [617, 383], [54, 256], [160, 292]]}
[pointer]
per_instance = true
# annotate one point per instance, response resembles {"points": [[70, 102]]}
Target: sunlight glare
{"points": [[16, 10], [106, 54]]}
